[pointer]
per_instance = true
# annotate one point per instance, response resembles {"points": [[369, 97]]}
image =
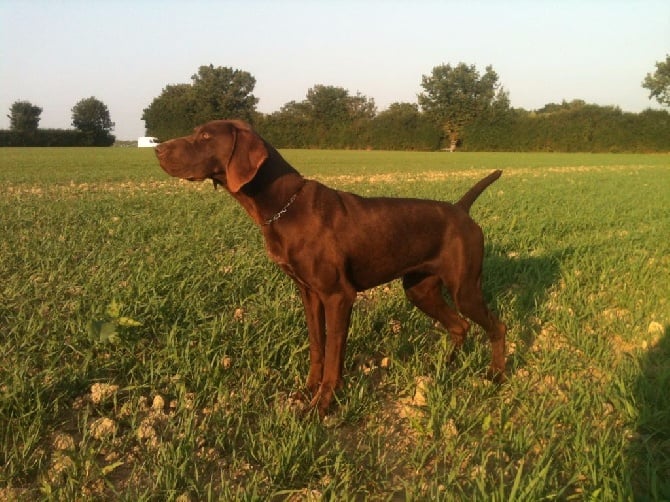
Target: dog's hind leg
{"points": [[466, 291], [425, 292], [470, 302]]}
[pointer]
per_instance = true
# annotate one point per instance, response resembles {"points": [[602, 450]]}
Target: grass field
{"points": [[148, 347]]}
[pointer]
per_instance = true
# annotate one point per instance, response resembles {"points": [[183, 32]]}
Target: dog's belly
{"points": [[366, 268]]}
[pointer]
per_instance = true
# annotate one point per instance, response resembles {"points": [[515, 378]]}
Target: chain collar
{"points": [[284, 209]]}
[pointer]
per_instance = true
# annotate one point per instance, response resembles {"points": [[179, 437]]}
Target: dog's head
{"points": [[226, 151]]}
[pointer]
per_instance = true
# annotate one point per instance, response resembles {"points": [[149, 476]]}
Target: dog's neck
{"points": [[275, 184]]}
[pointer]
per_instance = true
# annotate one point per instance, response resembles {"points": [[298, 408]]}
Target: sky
{"points": [[54, 53]]}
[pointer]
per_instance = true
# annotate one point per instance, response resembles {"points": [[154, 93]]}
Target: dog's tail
{"points": [[471, 195]]}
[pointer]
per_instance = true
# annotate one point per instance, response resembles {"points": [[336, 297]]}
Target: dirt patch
{"points": [[179, 185], [465, 174]]}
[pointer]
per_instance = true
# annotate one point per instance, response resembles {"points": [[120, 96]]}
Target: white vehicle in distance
{"points": [[147, 141]]}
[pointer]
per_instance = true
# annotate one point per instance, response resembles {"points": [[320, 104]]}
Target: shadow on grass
{"points": [[648, 452], [519, 286]]}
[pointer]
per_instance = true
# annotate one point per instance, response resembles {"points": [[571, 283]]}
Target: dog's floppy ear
{"points": [[248, 155]]}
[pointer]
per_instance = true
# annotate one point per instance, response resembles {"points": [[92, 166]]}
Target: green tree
{"points": [[564, 106], [402, 127], [290, 127], [329, 117], [658, 83], [214, 93], [362, 111], [327, 108], [330, 105], [222, 92], [24, 117], [338, 118], [456, 96], [91, 117], [172, 113]]}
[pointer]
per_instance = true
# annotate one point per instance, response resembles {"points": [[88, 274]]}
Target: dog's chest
{"points": [[275, 252], [278, 255]]}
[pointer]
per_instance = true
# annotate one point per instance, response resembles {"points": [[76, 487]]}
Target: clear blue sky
{"points": [[55, 52]]}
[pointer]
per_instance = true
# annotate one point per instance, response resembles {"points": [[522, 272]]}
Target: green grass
{"points": [[148, 347]]}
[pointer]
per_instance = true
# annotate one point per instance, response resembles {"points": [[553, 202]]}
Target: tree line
{"points": [[459, 107], [90, 118], [572, 127]]}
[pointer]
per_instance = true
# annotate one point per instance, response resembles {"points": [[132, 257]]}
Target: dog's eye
{"points": [[205, 135]]}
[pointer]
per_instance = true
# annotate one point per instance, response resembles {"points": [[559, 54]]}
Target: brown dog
{"points": [[334, 244]]}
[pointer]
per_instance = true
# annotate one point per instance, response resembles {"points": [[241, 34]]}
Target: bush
{"points": [[54, 137], [572, 127]]}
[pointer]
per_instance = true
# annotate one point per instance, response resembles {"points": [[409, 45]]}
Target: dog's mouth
{"points": [[176, 168], [179, 171]]}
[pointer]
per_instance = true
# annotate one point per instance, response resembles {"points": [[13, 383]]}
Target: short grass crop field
{"points": [[148, 347]]}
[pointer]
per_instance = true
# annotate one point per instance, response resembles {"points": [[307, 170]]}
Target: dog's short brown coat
{"points": [[334, 244]]}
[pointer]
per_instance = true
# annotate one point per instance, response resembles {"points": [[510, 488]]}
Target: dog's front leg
{"points": [[316, 331], [338, 315]]}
